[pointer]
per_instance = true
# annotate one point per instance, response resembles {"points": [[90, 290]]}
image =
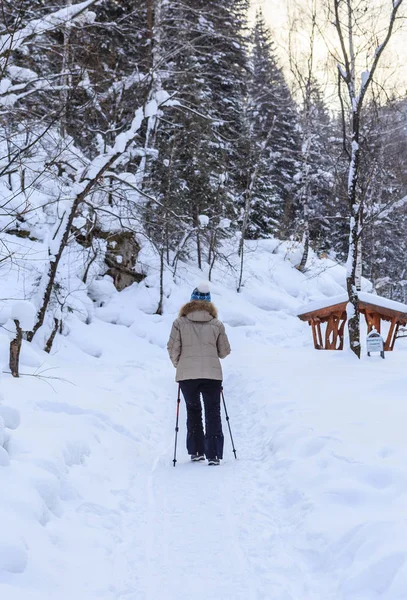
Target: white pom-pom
{"points": [[203, 287]]}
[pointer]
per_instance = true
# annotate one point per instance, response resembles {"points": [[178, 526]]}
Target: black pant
{"points": [[210, 444]]}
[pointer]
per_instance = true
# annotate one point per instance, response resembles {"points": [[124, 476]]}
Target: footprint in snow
{"points": [[312, 447], [99, 516]]}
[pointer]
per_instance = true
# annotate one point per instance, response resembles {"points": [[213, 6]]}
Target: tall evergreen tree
{"points": [[197, 169], [315, 177], [275, 139], [384, 185]]}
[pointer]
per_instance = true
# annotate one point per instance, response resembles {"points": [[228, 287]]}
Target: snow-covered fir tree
{"points": [[197, 171], [274, 139], [385, 187], [315, 176]]}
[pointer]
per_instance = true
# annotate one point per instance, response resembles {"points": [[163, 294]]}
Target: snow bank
{"points": [[10, 416], [13, 553]]}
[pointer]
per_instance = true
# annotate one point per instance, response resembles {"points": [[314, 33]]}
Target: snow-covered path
{"points": [[309, 510], [313, 509]]}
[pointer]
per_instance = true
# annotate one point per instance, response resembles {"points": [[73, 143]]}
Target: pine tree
{"points": [[197, 169], [274, 139], [315, 177], [384, 184]]}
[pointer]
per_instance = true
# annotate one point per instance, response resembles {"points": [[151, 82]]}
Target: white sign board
{"points": [[375, 343]]}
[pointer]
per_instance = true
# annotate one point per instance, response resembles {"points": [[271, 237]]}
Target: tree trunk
{"points": [[15, 347], [65, 83], [358, 274], [198, 248], [305, 241], [212, 253], [359, 256], [91, 261], [155, 10], [50, 341], [150, 23], [195, 217], [159, 310], [239, 285], [354, 239], [245, 222]]}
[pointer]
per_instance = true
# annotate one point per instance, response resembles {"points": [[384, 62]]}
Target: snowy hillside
{"points": [[313, 509]]}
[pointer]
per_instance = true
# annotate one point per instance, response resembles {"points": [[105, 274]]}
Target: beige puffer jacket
{"points": [[197, 341]]}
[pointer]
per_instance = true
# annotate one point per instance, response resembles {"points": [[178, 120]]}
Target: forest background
{"points": [[183, 126]]}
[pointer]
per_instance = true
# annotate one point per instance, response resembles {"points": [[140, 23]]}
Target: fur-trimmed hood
{"points": [[198, 306]]}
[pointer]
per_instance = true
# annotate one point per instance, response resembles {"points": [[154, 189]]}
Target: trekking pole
{"points": [[227, 419], [176, 425]]}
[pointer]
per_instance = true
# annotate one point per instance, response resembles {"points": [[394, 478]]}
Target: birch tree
{"points": [[354, 32]]}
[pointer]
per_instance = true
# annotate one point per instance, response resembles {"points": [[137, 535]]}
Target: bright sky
{"points": [[393, 72]]}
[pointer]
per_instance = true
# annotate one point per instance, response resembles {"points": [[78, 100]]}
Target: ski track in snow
{"points": [[165, 532], [213, 532]]}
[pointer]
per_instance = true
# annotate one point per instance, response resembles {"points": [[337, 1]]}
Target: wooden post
{"points": [[319, 335], [314, 333], [395, 336], [334, 332], [328, 331], [340, 332], [391, 336]]}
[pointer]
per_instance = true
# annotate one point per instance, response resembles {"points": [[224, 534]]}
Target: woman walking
{"points": [[197, 342]]}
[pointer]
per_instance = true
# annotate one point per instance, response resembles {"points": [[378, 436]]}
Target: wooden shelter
{"points": [[332, 312]]}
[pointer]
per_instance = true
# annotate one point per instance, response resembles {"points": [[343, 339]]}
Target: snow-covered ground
{"points": [[313, 509]]}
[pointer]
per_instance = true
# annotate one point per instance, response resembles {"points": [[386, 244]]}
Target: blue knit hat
{"points": [[201, 292]]}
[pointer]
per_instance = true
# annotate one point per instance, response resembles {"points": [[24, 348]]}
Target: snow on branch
{"points": [[342, 72], [69, 14], [388, 209]]}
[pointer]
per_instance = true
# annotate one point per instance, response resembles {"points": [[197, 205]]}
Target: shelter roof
{"points": [[387, 309]]}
